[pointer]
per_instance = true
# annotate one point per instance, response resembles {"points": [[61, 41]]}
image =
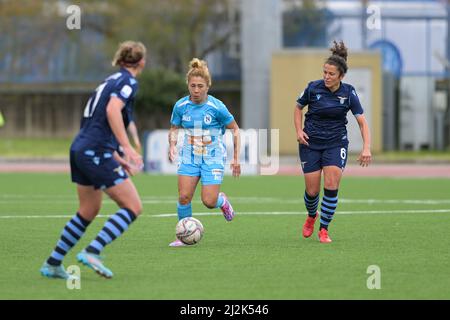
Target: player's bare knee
{"points": [[137, 209], [331, 183], [184, 199], [89, 214], [210, 203], [313, 192], [134, 205]]}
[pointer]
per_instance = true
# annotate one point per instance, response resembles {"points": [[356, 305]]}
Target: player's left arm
{"points": [[235, 164], [132, 129], [130, 169], [365, 157]]}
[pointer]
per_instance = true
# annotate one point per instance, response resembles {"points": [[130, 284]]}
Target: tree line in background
{"points": [[39, 48]]}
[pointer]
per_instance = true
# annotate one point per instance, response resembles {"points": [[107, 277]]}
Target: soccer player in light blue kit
{"points": [[96, 166], [323, 143], [203, 154]]}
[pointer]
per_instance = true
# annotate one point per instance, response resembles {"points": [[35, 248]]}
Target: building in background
{"points": [[413, 38], [43, 68]]}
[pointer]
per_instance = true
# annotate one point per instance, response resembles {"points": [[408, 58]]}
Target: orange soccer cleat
{"points": [[308, 227], [323, 236]]}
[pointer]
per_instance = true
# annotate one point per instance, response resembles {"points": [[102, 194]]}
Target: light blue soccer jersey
{"points": [[204, 127]]}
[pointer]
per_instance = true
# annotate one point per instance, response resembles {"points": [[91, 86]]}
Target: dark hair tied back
{"points": [[338, 57], [130, 57], [129, 54]]}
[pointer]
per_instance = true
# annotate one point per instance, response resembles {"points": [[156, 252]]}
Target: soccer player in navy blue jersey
{"points": [[202, 155], [323, 142], [96, 166]]}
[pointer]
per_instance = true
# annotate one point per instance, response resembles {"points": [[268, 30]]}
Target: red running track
{"points": [[381, 170]]}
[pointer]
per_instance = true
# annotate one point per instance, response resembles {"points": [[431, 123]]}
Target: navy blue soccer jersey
{"points": [[326, 119], [95, 132]]}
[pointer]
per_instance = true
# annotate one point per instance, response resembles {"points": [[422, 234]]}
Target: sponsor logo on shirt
{"points": [[126, 91], [318, 96], [186, 118], [217, 173]]}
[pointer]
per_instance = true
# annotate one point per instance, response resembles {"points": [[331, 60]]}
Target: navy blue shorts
{"points": [[314, 160], [97, 169]]}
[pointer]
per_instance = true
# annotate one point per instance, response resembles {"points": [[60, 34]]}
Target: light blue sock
{"points": [[220, 201], [184, 211]]}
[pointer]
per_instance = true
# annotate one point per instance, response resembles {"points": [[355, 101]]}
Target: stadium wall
{"points": [[292, 70], [55, 110], [41, 112]]}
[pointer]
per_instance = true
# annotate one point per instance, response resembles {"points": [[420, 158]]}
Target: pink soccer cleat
{"points": [[177, 243], [226, 208]]}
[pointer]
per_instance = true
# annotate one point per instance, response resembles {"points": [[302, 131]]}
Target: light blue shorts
{"points": [[209, 173]]}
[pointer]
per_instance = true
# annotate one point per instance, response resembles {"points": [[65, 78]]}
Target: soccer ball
{"points": [[189, 230]]}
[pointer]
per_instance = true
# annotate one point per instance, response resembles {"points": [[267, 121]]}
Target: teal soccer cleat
{"points": [[57, 272], [94, 262]]}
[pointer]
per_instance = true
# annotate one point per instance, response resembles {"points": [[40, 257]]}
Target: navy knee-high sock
{"points": [[311, 203], [113, 228], [72, 232], [328, 207]]}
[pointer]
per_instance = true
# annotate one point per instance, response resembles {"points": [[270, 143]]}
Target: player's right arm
{"points": [[175, 124], [115, 120], [173, 138], [302, 137], [302, 101]]}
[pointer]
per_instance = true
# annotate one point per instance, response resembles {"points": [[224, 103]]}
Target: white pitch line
{"points": [[165, 200], [56, 216], [12, 198], [303, 213], [169, 215]]}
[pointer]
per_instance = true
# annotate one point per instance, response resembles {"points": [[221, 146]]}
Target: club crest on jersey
{"points": [[119, 171], [342, 99], [207, 119]]}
